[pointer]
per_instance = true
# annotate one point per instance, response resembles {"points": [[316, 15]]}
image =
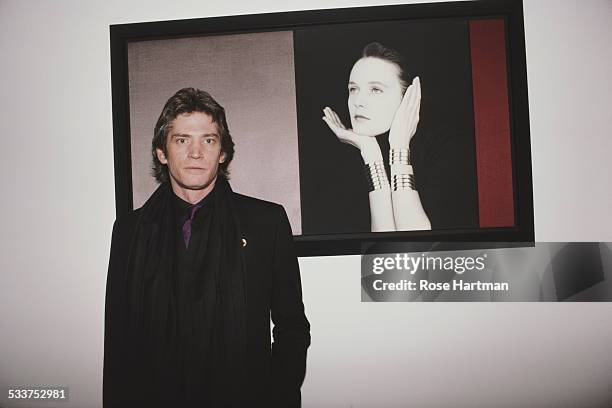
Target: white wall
{"points": [[58, 207]]}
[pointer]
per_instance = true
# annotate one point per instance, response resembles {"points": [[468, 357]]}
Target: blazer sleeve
{"points": [[291, 331], [114, 381]]}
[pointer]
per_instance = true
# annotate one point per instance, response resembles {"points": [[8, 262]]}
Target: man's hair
{"points": [[188, 100], [380, 51]]}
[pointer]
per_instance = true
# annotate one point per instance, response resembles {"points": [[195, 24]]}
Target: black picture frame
{"points": [[511, 11]]}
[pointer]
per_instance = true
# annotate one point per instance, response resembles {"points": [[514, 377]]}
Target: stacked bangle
{"points": [[400, 156], [403, 182], [376, 176]]}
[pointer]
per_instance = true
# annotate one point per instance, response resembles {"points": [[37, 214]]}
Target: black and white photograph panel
{"points": [[252, 77], [386, 104]]}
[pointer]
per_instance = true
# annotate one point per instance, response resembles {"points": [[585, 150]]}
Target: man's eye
{"points": [[210, 140], [181, 140]]}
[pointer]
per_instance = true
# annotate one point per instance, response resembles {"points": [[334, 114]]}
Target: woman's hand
{"points": [[344, 135], [368, 146], [406, 117]]}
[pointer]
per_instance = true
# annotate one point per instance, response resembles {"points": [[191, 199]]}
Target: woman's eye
{"points": [[376, 90], [352, 89]]}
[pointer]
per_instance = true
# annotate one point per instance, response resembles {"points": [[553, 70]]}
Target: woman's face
{"points": [[375, 93]]}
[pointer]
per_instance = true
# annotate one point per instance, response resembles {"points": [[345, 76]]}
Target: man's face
{"points": [[193, 151]]}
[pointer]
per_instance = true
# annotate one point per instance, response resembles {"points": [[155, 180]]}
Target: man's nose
{"points": [[196, 150]]}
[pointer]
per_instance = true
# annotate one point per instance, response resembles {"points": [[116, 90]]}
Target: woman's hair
{"points": [[188, 100], [377, 50]]}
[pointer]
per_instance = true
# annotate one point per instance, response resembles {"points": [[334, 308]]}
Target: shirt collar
{"points": [[183, 208]]}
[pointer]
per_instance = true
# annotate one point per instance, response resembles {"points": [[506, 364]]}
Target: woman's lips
{"points": [[361, 117]]}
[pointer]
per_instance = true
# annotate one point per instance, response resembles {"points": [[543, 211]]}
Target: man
{"points": [[194, 276]]}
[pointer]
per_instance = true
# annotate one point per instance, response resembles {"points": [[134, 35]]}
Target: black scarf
{"points": [[188, 349]]}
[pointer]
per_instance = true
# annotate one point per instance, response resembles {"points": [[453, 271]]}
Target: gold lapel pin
{"points": [[244, 242]]}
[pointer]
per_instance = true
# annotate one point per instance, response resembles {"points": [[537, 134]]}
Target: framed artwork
{"points": [[312, 97]]}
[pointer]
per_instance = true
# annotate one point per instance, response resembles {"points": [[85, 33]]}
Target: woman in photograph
{"points": [[383, 101]]}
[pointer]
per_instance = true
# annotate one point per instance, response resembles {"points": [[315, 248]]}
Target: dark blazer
{"points": [[276, 372]]}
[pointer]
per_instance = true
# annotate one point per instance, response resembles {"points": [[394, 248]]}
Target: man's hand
{"points": [[406, 117]]}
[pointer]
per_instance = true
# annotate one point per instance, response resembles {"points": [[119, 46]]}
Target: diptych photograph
{"points": [[358, 129]]}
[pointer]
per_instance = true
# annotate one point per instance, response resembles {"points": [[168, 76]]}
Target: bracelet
{"points": [[376, 176], [403, 182], [400, 156]]}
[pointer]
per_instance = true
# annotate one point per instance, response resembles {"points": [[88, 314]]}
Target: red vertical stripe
{"points": [[492, 123]]}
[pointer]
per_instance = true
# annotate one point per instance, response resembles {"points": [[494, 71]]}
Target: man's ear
{"points": [[222, 158], [161, 156]]}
